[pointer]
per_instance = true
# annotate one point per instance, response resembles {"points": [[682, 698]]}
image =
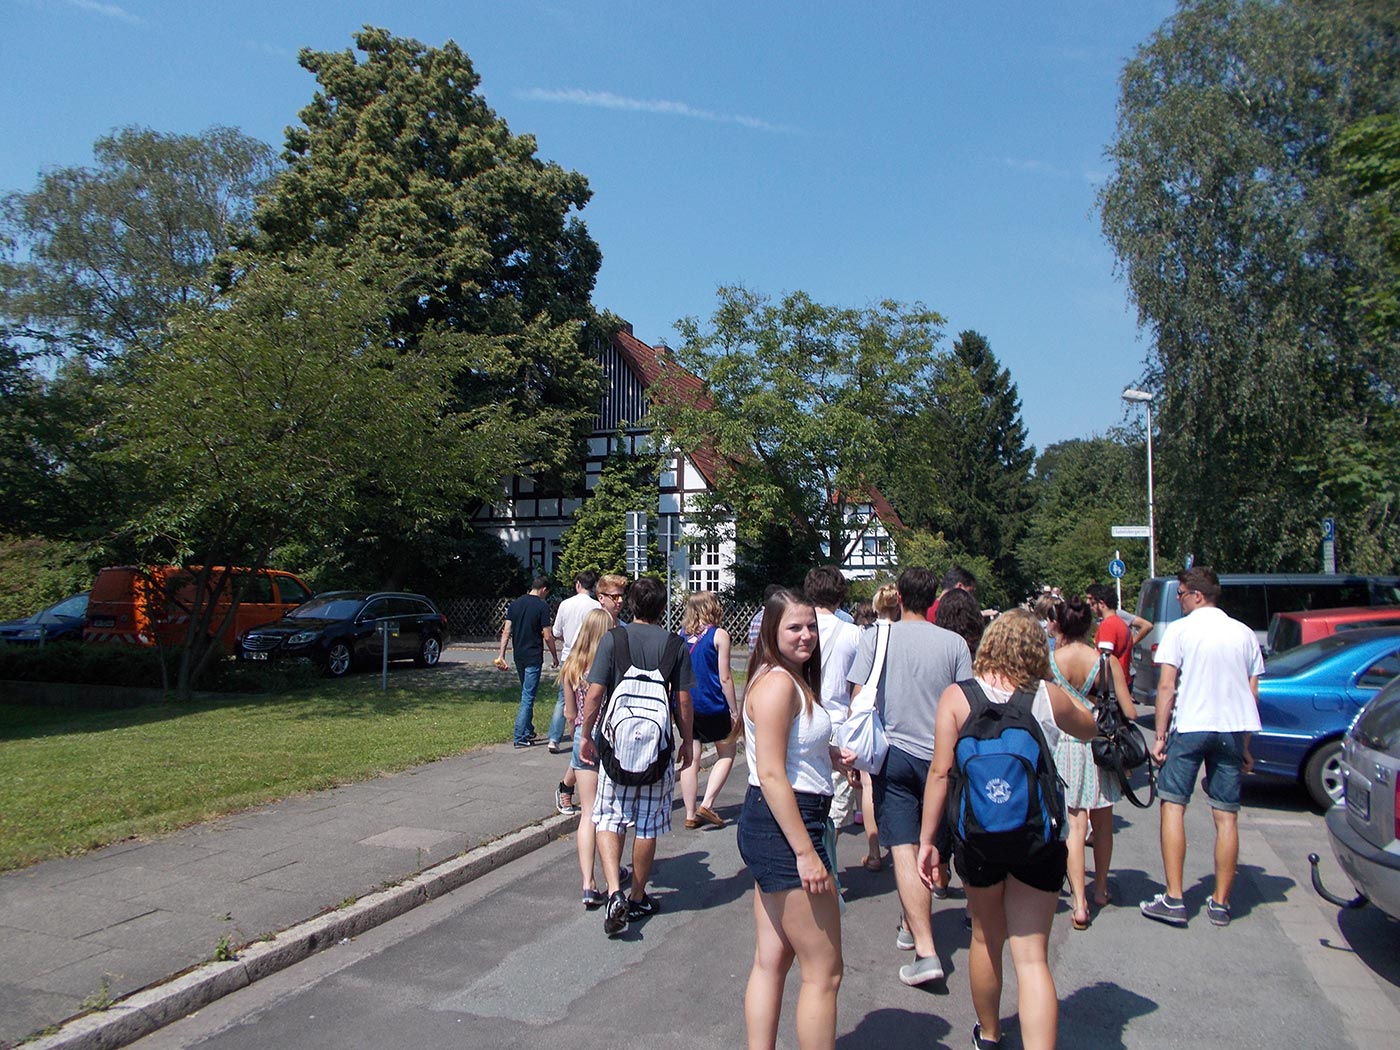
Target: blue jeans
{"points": [[558, 730], [1223, 756], [525, 717]]}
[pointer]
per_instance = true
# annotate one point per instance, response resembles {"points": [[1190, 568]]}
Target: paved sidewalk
{"points": [[107, 923]]}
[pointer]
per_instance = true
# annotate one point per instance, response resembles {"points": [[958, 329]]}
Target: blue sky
{"points": [[938, 152]]}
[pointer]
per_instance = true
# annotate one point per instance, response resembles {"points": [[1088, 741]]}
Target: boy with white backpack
{"points": [[627, 732]]}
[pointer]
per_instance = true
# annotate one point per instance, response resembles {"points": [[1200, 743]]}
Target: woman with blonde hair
{"points": [[1009, 899], [787, 734], [573, 678], [714, 704]]}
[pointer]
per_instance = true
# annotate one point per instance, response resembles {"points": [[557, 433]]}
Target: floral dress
{"points": [[1086, 786]]}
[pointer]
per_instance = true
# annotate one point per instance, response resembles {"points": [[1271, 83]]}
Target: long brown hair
{"points": [[767, 654]]}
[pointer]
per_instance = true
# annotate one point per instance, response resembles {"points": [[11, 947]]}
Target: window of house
{"points": [[704, 567], [537, 555]]}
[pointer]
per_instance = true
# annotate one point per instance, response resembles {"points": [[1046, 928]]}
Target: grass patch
{"points": [[72, 780]]}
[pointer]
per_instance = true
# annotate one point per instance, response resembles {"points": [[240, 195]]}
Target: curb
{"points": [[141, 1013]]}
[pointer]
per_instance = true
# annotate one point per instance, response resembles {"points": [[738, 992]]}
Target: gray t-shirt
{"points": [[922, 661], [646, 643]]}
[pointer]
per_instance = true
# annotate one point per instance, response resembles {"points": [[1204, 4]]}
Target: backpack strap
{"points": [[976, 698], [671, 663]]}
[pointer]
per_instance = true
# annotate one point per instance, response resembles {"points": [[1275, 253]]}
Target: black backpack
{"points": [[635, 742], [1007, 801]]}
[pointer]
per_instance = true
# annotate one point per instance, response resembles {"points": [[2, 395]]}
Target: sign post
{"points": [[1329, 546], [1116, 569]]}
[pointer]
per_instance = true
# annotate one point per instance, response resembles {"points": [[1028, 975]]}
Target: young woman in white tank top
{"points": [[787, 736]]}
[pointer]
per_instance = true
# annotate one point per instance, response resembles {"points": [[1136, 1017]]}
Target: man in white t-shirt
{"points": [[1207, 707], [567, 621], [826, 588]]}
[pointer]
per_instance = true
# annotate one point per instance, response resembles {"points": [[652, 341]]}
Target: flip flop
{"points": [[873, 864], [1081, 924]]}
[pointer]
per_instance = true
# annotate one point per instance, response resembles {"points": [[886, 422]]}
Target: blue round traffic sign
{"points": [[1116, 568]]}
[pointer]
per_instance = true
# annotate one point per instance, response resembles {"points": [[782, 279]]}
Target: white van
{"points": [[1252, 598]]}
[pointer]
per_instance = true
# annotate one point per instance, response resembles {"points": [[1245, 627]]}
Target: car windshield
{"points": [[1296, 661], [1378, 726], [327, 609], [70, 608]]}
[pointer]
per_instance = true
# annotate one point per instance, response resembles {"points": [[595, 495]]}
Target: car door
{"points": [[410, 613], [369, 643]]}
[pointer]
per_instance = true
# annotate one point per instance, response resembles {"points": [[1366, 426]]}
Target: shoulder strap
{"points": [[622, 655], [671, 662], [882, 648], [976, 699]]}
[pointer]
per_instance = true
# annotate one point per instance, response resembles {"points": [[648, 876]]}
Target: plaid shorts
{"points": [[647, 806]]}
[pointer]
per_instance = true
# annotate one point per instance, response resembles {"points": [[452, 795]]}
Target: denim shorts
{"points": [[898, 793], [1223, 756], [576, 760], [765, 848]]}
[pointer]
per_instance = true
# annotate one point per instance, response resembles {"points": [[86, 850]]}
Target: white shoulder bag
{"points": [[863, 732]]}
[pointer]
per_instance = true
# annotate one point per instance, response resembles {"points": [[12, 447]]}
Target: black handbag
{"points": [[1119, 746]]}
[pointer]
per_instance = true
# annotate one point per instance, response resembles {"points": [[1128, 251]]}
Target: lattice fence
{"points": [[480, 619]]}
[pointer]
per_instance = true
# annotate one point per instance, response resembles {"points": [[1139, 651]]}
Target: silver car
{"points": [[1364, 829]]}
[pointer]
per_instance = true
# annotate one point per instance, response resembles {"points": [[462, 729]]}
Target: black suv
{"points": [[339, 628]]}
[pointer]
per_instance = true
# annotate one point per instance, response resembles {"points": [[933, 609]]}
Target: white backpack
{"points": [[635, 743]]}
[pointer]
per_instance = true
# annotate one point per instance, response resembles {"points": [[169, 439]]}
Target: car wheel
{"points": [[338, 660], [1322, 775], [429, 653]]}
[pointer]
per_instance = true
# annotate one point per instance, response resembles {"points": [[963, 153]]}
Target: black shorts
{"points": [[765, 848], [1044, 871], [711, 729]]}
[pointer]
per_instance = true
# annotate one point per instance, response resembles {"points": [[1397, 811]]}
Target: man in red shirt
{"points": [[1103, 599]]}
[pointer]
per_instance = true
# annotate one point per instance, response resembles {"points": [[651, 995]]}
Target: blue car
{"points": [[1310, 696], [60, 622]]}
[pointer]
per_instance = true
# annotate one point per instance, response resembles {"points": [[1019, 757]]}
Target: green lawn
{"points": [[73, 780]]}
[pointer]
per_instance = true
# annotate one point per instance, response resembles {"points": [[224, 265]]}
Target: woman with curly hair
{"points": [[959, 612], [1012, 901]]}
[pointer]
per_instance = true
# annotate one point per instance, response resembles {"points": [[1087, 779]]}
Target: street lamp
{"points": [[1143, 398]]}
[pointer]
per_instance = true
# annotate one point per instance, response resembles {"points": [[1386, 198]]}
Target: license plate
{"points": [[104, 621], [256, 656], [1359, 800]]}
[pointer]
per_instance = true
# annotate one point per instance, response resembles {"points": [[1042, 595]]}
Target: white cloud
{"points": [[607, 100], [107, 11]]}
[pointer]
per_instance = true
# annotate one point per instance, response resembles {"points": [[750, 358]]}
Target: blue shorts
{"points": [[898, 793], [576, 760], [765, 848], [1223, 756]]}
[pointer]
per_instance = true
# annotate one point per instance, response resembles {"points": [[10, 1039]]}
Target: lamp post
{"points": [[1144, 398]]}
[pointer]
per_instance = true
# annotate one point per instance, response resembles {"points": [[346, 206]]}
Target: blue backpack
{"points": [[1007, 800]]}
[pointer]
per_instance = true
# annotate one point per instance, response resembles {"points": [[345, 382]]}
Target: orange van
{"points": [[131, 605], [1288, 630]]}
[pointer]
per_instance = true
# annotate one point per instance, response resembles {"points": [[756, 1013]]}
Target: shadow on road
{"points": [[899, 1030], [1097, 1016]]}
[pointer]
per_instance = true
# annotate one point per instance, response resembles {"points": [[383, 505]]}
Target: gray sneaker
{"points": [[923, 970], [904, 939], [1158, 908], [1217, 913]]}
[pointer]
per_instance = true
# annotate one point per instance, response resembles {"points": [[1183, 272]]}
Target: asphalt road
{"points": [[512, 960]]}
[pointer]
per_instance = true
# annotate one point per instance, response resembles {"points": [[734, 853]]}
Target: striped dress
{"points": [[1087, 787]]}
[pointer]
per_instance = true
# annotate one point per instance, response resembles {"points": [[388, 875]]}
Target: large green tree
{"points": [[262, 420], [797, 402], [1082, 488], [964, 465], [1233, 227], [99, 256], [399, 166], [597, 539]]}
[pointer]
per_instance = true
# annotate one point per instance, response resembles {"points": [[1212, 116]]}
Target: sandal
{"points": [[1104, 901], [873, 864], [692, 822], [1081, 923], [709, 816]]}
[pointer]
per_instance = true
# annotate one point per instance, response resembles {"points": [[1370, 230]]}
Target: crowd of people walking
{"points": [[979, 763]]}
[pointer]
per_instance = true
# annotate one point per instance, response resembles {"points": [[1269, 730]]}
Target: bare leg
{"points": [[719, 772], [1227, 853], [1078, 829], [1102, 822], [795, 924], [690, 780], [1029, 913], [986, 906], [867, 809], [643, 856], [772, 958], [610, 853], [1173, 846], [586, 836], [914, 898]]}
